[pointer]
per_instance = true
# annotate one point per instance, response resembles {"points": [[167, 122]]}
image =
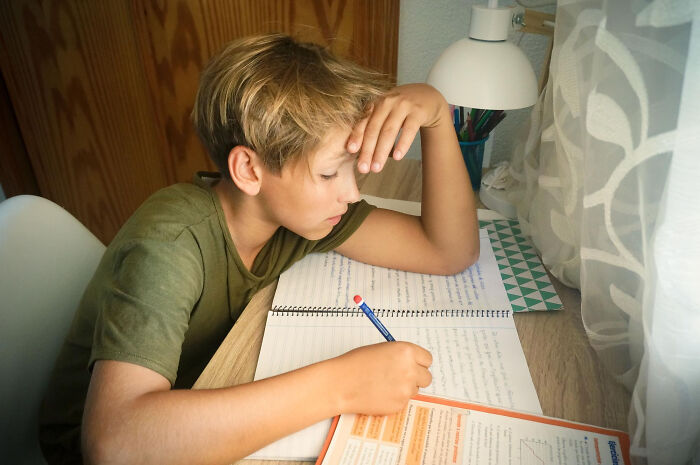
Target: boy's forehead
{"points": [[331, 157], [333, 146]]}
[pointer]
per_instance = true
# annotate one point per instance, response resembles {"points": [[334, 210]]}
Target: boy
{"points": [[285, 123]]}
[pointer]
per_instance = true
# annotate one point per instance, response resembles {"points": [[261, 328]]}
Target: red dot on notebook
{"points": [[357, 299]]}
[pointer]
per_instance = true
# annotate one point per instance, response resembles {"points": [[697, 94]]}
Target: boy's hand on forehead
{"points": [[401, 112]]}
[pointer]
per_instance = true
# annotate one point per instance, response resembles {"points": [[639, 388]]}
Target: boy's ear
{"points": [[245, 169]]}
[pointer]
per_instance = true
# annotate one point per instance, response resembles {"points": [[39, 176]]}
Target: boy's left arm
{"points": [[445, 238]]}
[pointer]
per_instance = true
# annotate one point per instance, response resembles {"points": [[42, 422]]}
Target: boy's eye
{"points": [[328, 177]]}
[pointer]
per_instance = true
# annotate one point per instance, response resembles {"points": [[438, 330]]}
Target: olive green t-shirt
{"points": [[167, 291]]}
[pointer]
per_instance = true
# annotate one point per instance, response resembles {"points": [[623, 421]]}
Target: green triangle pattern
{"points": [[524, 277], [517, 270], [538, 274], [510, 252], [502, 235], [526, 290]]}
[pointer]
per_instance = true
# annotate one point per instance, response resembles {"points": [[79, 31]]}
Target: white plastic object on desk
{"points": [[493, 191]]}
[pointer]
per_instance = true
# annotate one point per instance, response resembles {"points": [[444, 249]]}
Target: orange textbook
{"points": [[438, 431]]}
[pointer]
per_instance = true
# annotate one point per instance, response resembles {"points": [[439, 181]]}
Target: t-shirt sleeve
{"points": [[353, 218], [145, 302]]}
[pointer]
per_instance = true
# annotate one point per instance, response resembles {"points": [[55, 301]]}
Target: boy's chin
{"points": [[316, 234]]}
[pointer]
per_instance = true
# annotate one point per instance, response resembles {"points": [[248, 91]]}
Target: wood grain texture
{"points": [[74, 75], [570, 380], [103, 90], [16, 172]]}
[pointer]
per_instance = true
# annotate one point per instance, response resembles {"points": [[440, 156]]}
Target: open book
{"points": [[435, 431], [464, 320]]}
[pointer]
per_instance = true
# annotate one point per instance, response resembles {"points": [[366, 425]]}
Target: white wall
{"points": [[427, 27]]}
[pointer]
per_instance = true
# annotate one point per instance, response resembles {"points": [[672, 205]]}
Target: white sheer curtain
{"points": [[608, 187]]}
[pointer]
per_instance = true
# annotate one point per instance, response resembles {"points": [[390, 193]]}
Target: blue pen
{"points": [[373, 318]]}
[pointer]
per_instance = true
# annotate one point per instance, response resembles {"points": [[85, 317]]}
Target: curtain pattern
{"points": [[608, 186]]}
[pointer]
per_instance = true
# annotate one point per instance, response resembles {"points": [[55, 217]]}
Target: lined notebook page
{"points": [[329, 281], [475, 358]]}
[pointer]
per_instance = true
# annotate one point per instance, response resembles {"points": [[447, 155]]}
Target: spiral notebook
{"points": [[464, 320]]}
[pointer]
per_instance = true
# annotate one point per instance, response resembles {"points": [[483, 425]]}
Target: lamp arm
{"points": [[535, 22]]}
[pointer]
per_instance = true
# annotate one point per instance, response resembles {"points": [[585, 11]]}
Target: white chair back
{"points": [[47, 258]]}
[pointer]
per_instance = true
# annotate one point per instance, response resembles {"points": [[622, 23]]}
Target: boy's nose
{"points": [[350, 193]]}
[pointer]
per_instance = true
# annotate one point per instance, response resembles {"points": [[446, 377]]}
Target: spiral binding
{"points": [[352, 312]]}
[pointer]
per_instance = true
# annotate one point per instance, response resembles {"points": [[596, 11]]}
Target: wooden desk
{"points": [[570, 381]]}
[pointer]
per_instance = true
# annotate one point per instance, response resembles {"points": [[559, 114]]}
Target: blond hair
{"points": [[278, 97]]}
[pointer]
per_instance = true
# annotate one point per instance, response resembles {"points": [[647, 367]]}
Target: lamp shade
{"points": [[495, 75]]}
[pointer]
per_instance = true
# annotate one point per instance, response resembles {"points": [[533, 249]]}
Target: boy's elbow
{"points": [[95, 451], [460, 260], [470, 258], [460, 264], [99, 447]]}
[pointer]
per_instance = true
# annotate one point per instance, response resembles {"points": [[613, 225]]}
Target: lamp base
{"points": [[497, 200]]}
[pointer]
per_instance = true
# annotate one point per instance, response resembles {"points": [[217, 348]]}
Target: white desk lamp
{"points": [[486, 71]]}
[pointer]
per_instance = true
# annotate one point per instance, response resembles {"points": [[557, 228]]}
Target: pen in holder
{"points": [[473, 129], [473, 155]]}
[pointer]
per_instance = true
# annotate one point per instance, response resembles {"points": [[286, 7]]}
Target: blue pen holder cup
{"points": [[473, 155]]}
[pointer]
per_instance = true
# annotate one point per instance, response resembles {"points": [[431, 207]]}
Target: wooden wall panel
{"points": [[103, 90], [375, 41], [174, 52], [75, 77], [16, 172]]}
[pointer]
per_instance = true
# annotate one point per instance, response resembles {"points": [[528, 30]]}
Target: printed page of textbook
{"points": [[438, 432]]}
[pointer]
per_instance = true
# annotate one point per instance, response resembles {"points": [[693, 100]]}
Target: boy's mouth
{"points": [[335, 219]]}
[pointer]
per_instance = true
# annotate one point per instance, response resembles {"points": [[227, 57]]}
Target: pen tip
{"points": [[357, 299]]}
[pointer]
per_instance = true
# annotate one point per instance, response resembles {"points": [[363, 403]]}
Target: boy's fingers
{"points": [[406, 137], [424, 377], [423, 357], [371, 133], [385, 142], [357, 135]]}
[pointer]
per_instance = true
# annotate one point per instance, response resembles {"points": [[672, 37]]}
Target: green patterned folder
{"points": [[524, 277]]}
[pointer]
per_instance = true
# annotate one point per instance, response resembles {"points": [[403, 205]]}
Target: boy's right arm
{"points": [[132, 416]]}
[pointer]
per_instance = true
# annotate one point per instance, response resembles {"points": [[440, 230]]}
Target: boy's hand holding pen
{"points": [[380, 378]]}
